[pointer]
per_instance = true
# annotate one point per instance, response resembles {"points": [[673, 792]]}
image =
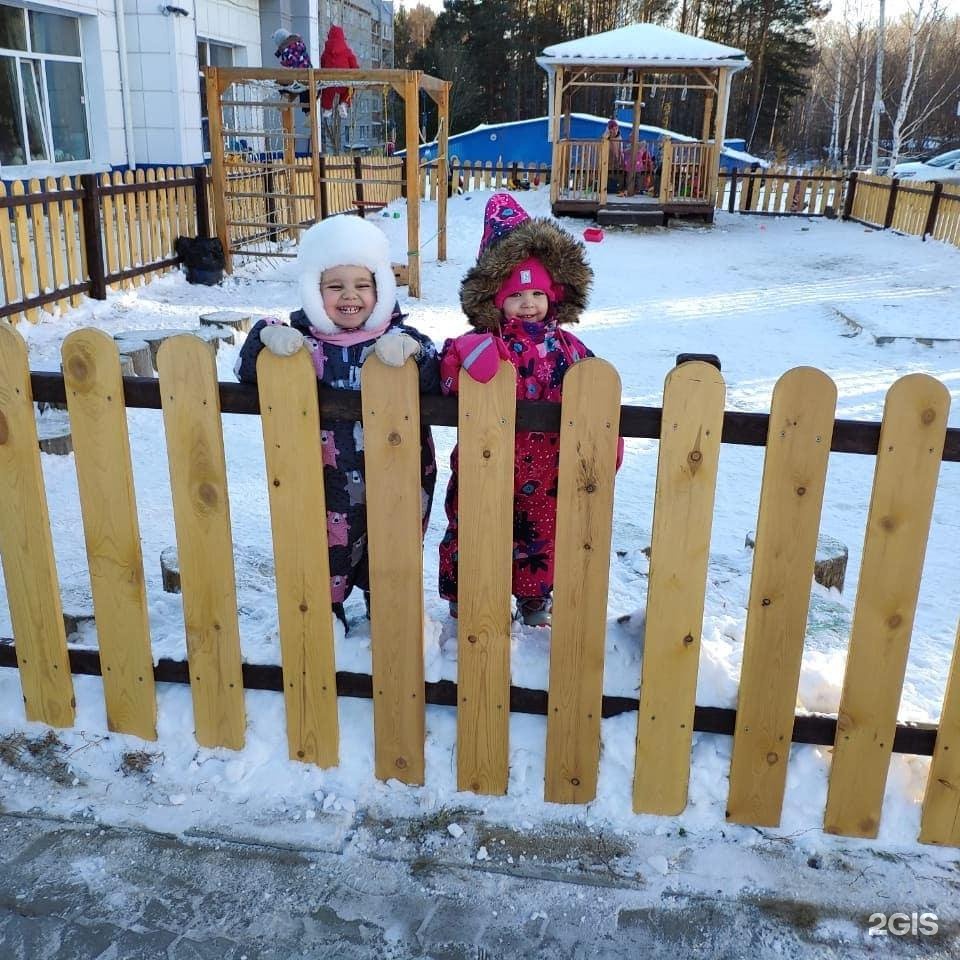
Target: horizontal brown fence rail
{"points": [[908, 447]]}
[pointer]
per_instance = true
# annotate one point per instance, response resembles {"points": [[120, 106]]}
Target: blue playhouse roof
{"points": [[525, 142]]}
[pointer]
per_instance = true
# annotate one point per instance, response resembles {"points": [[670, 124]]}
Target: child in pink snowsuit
{"points": [[531, 278]]}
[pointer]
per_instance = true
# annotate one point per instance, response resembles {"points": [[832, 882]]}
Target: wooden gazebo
{"points": [[636, 62]]}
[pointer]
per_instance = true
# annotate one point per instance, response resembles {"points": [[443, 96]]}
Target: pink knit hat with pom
{"points": [[501, 215]]}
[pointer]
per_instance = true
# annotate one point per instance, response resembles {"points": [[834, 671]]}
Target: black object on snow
{"points": [[203, 258]]}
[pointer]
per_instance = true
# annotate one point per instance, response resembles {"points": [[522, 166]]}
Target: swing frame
{"points": [[407, 83]]}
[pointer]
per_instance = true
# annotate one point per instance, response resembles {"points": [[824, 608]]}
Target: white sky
{"points": [[893, 7]]}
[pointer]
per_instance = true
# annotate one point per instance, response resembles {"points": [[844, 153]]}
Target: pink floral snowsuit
{"points": [[542, 354]]}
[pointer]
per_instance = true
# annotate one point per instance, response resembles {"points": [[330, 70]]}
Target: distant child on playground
{"points": [[531, 278], [349, 311]]}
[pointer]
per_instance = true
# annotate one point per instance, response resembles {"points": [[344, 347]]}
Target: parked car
{"points": [[945, 167]]}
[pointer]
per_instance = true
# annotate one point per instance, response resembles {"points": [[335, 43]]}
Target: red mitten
{"points": [[480, 355]]}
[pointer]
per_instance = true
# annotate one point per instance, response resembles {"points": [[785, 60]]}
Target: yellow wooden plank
{"points": [[201, 511], [98, 422], [693, 401], [40, 245], [120, 204], [29, 570], [73, 241], [144, 232], [588, 453], [109, 230], [133, 230], [794, 475], [11, 288], [485, 443], [901, 504], [940, 820], [56, 237], [153, 221], [391, 431], [25, 255], [166, 244], [291, 444]]}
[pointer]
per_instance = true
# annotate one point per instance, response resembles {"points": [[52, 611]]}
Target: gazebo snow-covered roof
{"points": [[643, 45]]}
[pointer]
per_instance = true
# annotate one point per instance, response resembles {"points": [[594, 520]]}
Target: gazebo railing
{"points": [[687, 172], [581, 171]]}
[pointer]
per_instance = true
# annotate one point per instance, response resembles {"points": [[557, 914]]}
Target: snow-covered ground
{"points": [[765, 295]]}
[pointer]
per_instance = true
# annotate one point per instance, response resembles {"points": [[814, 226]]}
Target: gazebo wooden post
{"points": [[556, 172], [628, 178], [720, 120], [411, 125]]}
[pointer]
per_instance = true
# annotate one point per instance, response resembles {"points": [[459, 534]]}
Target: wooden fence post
{"points": [[934, 207], [848, 197], [749, 201], [891, 204], [200, 195], [93, 234], [324, 199], [358, 182], [732, 202]]}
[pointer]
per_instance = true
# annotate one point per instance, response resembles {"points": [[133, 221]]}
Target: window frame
{"points": [[31, 57], [207, 42]]}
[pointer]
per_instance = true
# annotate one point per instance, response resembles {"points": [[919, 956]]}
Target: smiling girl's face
{"points": [[529, 305], [349, 295]]}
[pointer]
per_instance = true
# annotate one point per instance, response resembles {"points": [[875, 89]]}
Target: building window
{"points": [[210, 54], [43, 113]]}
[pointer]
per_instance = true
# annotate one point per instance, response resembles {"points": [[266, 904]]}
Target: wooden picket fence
{"points": [[799, 434], [469, 176], [916, 209], [782, 192], [82, 235]]}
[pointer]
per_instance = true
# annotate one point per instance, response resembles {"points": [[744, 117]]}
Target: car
{"points": [[945, 167]]}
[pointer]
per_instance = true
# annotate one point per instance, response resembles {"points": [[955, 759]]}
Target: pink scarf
{"points": [[347, 338]]}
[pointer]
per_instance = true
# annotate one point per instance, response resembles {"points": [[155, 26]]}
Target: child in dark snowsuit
{"points": [[530, 278], [348, 292]]}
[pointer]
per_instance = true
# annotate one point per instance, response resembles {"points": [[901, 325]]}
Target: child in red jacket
{"points": [[531, 278]]}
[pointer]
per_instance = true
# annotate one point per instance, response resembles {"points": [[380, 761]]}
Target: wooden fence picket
{"points": [[153, 220], [908, 463], [11, 288], [123, 239], [590, 420], [794, 476], [391, 439], [25, 253], [40, 242], [201, 512], [693, 402], [485, 445], [26, 546], [291, 445], [940, 819], [163, 216], [109, 231], [73, 234], [98, 423], [57, 239], [133, 230]]}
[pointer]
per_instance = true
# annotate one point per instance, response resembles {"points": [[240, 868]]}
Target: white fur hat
{"points": [[345, 240], [280, 37]]}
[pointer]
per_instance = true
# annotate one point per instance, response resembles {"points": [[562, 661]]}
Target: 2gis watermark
{"points": [[914, 924]]}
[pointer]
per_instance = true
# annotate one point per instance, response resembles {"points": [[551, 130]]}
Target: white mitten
{"points": [[281, 340], [394, 348]]}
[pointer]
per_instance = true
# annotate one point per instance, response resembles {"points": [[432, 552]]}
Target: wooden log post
{"points": [[93, 235], [324, 198], [200, 199], [934, 208], [848, 197], [358, 184], [219, 170], [732, 200], [412, 126], [891, 203]]}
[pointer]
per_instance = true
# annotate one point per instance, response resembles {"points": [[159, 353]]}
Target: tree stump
{"points": [[138, 353], [239, 321], [170, 570], [155, 338], [217, 334], [53, 432], [75, 616], [830, 563]]}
